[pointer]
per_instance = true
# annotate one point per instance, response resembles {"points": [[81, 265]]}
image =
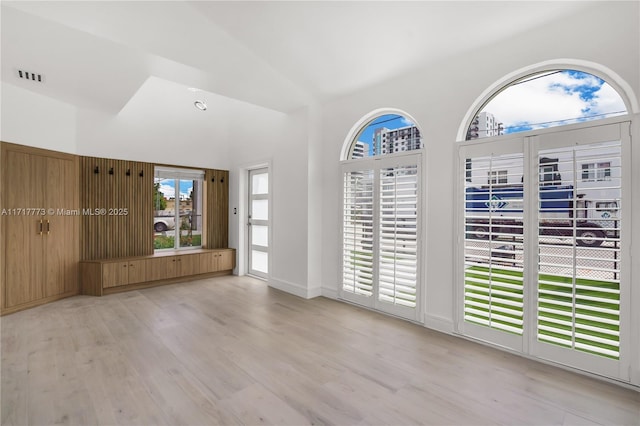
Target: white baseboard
{"points": [[438, 323], [294, 288], [314, 292], [331, 293]]}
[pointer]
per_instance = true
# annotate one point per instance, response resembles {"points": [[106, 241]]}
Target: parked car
{"points": [[162, 223]]}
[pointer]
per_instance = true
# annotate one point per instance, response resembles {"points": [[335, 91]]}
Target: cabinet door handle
{"points": [[40, 228], [48, 227]]}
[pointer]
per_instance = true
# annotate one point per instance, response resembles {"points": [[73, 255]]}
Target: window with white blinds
{"points": [[579, 251], [357, 252], [493, 244], [380, 247], [398, 238]]}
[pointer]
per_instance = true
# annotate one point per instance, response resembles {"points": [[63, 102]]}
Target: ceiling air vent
{"points": [[31, 76]]}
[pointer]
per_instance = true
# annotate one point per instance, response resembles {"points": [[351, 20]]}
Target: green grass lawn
{"points": [[593, 327]]}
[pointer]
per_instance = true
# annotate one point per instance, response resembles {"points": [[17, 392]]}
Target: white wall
{"points": [[315, 186], [439, 97], [260, 136], [29, 118]]}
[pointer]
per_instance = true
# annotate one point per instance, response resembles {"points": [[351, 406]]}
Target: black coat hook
{"points": [[213, 179], [128, 173], [222, 179], [111, 171], [96, 170], [141, 173]]}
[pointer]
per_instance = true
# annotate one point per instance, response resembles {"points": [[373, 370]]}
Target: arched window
{"points": [[543, 217], [385, 134], [381, 214], [546, 99]]}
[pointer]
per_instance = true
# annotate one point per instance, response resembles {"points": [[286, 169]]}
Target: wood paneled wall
{"points": [[217, 208], [107, 187]]}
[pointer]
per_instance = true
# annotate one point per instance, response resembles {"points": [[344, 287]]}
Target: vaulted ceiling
{"points": [[278, 55]]}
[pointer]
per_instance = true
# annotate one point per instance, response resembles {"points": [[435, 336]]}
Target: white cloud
{"points": [[184, 194], [406, 122], [607, 100], [168, 191], [553, 98], [521, 104]]}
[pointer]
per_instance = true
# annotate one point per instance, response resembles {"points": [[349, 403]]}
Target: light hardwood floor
{"points": [[230, 350]]}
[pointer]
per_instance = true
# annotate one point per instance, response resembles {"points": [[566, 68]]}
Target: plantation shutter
{"points": [[357, 252], [380, 246], [579, 273], [398, 240], [493, 244]]}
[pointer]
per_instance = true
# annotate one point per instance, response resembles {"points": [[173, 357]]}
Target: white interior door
{"points": [[381, 225], [258, 223]]}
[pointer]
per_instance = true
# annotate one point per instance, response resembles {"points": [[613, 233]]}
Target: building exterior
{"points": [[360, 150], [485, 125], [386, 141]]}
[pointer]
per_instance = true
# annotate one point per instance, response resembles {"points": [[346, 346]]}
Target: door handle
{"points": [[48, 227], [40, 228]]}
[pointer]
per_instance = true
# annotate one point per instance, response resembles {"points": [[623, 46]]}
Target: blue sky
{"points": [[390, 121], [554, 98], [168, 188], [542, 100]]}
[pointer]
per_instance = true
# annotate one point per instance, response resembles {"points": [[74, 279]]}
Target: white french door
{"points": [[544, 251], [582, 291], [258, 222], [381, 225], [493, 250]]}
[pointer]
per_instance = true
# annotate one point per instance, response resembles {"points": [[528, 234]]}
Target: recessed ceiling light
{"points": [[201, 105]]}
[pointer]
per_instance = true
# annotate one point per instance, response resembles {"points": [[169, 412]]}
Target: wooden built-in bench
{"points": [[106, 276]]}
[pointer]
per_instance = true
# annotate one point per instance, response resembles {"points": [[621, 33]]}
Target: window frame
{"points": [[624, 89], [178, 174], [396, 140]]}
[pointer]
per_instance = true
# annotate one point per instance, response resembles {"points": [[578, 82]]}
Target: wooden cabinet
{"points": [[40, 221], [187, 264], [115, 274], [217, 260], [160, 268], [98, 276], [226, 260], [123, 273], [137, 271], [164, 267], [208, 261]]}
